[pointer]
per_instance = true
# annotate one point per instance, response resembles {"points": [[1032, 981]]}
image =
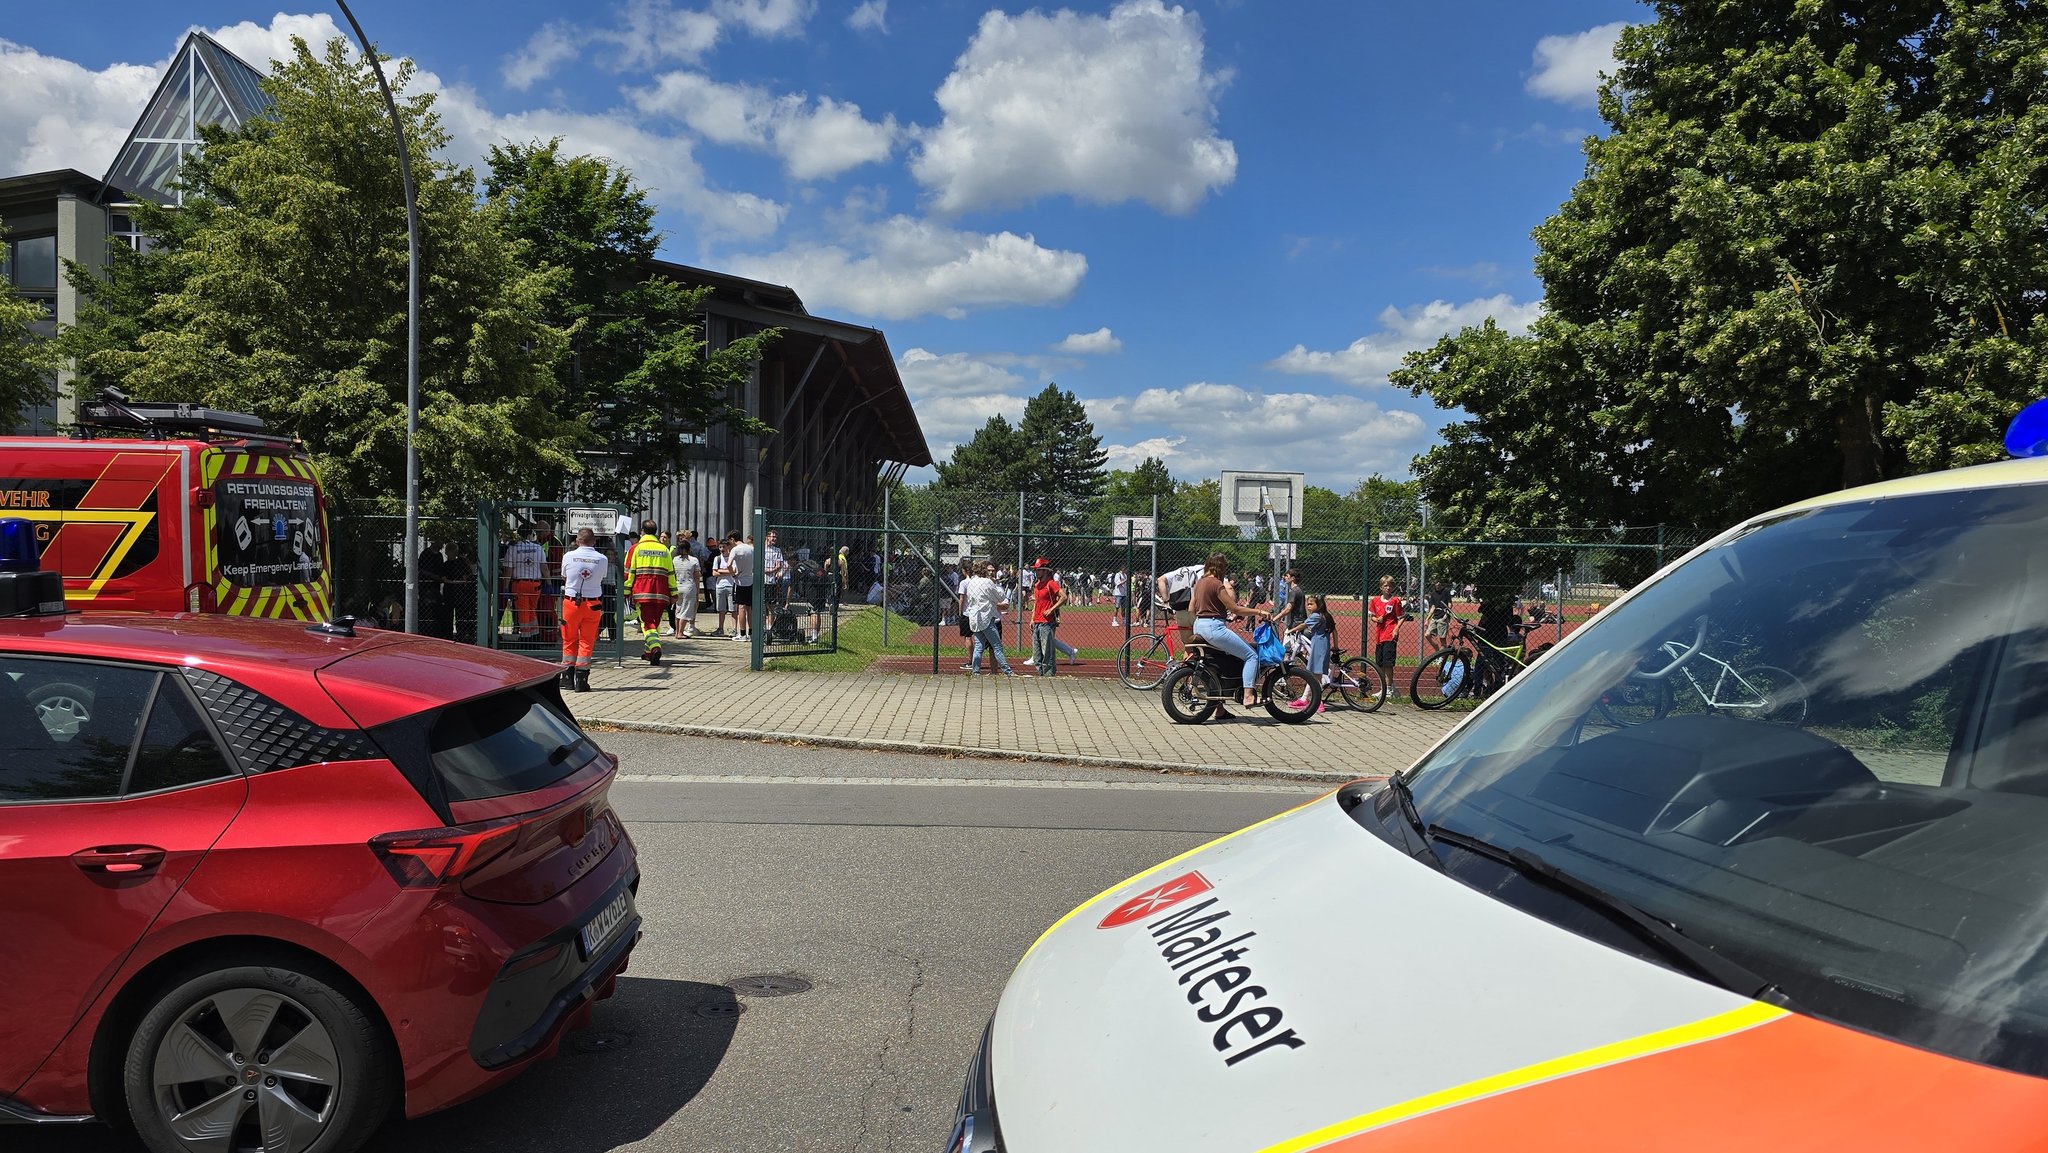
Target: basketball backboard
{"points": [[1247, 494]]}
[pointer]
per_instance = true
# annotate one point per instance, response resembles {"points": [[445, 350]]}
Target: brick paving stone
{"points": [[706, 687]]}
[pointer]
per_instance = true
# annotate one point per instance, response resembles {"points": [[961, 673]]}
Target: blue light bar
{"points": [[18, 549], [2027, 435]]}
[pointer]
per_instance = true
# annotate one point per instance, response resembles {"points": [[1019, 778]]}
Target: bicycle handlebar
{"points": [[1699, 640]]}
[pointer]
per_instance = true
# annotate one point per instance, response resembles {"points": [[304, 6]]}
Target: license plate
{"points": [[603, 927]]}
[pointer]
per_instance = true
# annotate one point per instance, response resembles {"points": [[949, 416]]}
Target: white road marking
{"points": [[1189, 786]]}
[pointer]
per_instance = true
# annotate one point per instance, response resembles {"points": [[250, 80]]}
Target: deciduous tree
{"points": [[1808, 253], [27, 358], [279, 289]]}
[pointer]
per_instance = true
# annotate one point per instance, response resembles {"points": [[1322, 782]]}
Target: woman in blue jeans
{"points": [[1213, 605]]}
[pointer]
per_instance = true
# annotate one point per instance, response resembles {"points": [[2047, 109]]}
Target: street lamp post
{"points": [[412, 334]]}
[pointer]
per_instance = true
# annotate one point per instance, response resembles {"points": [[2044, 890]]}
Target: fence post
{"points": [[1130, 579], [1365, 596], [1023, 617], [756, 612], [1660, 545], [487, 574], [885, 568]]}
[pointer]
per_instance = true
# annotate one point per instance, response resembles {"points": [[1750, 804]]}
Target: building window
{"points": [[32, 264]]}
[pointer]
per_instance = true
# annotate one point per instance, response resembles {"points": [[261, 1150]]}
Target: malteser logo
{"points": [[1240, 1015], [1156, 898]]}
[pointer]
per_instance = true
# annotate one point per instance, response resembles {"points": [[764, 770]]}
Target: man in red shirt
{"points": [[1046, 598], [1385, 611]]}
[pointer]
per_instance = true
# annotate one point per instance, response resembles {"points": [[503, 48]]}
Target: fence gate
{"points": [[799, 615], [529, 622]]}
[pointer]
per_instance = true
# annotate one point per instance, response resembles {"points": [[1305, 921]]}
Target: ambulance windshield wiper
{"points": [[1404, 797], [1696, 958]]}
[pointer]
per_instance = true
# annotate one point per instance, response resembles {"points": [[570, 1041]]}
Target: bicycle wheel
{"points": [[1634, 702], [1442, 677], [1783, 696], [1358, 682], [1143, 662]]}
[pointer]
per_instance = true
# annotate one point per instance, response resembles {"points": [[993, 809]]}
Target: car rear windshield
{"points": [[506, 743]]}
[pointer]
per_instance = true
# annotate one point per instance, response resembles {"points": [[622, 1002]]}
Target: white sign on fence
{"points": [[1280, 550], [1138, 528], [1391, 546], [598, 520]]}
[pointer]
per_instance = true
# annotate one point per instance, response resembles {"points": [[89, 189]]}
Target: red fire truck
{"points": [[173, 507]]}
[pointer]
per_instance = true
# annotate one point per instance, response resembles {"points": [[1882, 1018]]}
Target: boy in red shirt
{"points": [[1385, 611], [1046, 598]]}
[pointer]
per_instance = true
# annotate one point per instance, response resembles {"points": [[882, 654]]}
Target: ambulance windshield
{"points": [[1819, 748]]}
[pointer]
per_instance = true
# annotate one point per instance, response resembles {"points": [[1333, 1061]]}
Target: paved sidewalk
{"points": [[704, 687]]}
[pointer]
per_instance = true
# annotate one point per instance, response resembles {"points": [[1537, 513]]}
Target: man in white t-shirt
{"points": [[742, 585], [1173, 588], [982, 602], [1119, 595], [775, 571]]}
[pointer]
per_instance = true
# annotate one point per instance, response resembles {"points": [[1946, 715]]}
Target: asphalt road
{"points": [[902, 890]]}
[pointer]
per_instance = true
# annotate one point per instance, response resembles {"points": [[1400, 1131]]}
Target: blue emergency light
{"points": [[25, 590], [2027, 435], [18, 549]]}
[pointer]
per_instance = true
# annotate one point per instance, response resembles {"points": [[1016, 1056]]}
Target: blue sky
{"points": [[1219, 223]]}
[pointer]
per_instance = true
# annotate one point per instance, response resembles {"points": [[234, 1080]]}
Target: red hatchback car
{"points": [[261, 884]]}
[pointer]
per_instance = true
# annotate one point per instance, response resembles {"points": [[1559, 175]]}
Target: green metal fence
{"points": [[909, 574]]}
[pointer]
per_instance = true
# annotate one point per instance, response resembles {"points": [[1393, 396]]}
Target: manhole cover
{"points": [[717, 1009], [599, 1042], [770, 985]]}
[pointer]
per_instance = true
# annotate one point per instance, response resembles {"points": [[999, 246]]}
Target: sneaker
{"points": [[1032, 663], [1322, 708], [969, 669], [667, 631], [1298, 703]]}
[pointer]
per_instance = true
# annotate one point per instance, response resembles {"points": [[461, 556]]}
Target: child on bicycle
{"points": [[1319, 627]]}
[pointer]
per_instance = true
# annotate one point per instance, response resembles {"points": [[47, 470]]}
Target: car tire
{"points": [[319, 1079]]}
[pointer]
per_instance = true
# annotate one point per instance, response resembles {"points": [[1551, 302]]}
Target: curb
{"points": [[889, 746]]}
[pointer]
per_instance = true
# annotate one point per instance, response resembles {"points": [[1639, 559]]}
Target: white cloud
{"points": [[663, 165], [1568, 67], [954, 394], [1105, 109], [1097, 343], [59, 115], [927, 373], [1370, 358], [1203, 428], [650, 32], [261, 45], [1129, 456], [905, 267], [766, 18], [553, 44], [870, 16], [816, 140]]}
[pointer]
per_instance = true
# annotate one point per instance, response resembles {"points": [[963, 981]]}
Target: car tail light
{"points": [[427, 858]]}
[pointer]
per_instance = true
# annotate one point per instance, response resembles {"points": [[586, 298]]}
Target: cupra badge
{"points": [[1156, 898]]}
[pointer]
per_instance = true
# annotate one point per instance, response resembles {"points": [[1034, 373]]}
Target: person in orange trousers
{"points": [[524, 569], [583, 572]]}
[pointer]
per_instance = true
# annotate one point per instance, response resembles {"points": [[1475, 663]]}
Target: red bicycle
{"points": [[1146, 659]]}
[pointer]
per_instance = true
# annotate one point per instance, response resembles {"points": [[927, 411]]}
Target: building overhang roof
{"points": [[863, 352], [48, 186]]}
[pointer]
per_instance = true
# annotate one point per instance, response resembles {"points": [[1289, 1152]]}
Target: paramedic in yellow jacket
{"points": [[652, 569]]}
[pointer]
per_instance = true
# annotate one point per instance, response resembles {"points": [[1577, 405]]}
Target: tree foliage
{"points": [[279, 289], [637, 374], [28, 360], [1809, 253]]}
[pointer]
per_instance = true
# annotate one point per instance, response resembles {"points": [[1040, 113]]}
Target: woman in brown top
{"points": [[1213, 605]]}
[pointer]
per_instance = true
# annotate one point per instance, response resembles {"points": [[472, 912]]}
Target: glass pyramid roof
{"points": [[205, 84]]}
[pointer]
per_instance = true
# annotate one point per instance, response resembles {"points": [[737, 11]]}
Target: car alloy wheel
{"points": [[255, 1059]]}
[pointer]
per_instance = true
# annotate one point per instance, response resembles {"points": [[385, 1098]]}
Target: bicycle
{"points": [[1471, 665], [1765, 692], [1148, 657], [1356, 679]]}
